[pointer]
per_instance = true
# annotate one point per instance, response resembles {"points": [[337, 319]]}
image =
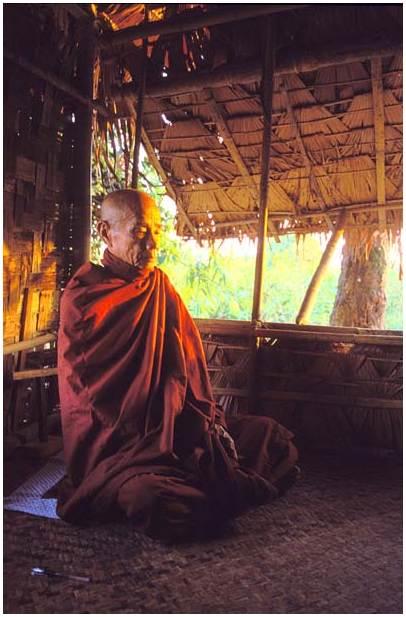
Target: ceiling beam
{"points": [[288, 61], [193, 21], [280, 216], [55, 81], [379, 127]]}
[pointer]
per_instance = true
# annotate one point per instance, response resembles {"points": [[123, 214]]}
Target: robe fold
{"points": [[142, 433]]}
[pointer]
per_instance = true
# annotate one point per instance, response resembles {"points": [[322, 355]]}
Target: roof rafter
{"points": [[216, 114], [379, 126], [302, 148]]}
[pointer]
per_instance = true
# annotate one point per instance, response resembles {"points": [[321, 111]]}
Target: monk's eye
{"points": [[139, 231]]}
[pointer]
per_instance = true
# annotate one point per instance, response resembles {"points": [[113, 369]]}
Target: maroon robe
{"points": [[142, 432]]}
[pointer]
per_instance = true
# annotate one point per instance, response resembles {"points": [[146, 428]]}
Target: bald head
{"points": [[130, 226], [119, 204]]}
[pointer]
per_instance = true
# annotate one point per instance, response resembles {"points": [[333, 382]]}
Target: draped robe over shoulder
{"points": [[142, 432]]}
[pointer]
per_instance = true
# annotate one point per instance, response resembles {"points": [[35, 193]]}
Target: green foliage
{"points": [[394, 307], [217, 281], [288, 272]]}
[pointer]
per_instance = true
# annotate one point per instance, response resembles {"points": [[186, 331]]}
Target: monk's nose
{"points": [[151, 242]]}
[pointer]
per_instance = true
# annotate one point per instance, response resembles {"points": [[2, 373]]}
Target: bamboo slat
{"points": [[330, 399], [323, 381], [355, 339], [38, 341], [34, 373], [321, 399], [359, 336]]}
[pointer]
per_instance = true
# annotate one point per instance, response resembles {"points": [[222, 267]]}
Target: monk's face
{"points": [[132, 233]]}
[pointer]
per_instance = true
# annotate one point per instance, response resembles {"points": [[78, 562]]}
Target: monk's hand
{"points": [[227, 441]]}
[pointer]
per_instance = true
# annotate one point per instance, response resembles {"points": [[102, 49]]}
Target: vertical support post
{"points": [[267, 94], [140, 108], [82, 173]]}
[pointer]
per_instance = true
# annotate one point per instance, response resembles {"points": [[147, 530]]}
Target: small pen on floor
{"points": [[47, 572]]}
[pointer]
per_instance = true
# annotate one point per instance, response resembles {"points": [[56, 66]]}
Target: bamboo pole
{"points": [[318, 399], [140, 108], [34, 373], [81, 176], [352, 339], [54, 80], [290, 61], [267, 92], [234, 327], [294, 331], [38, 341], [276, 216], [312, 291], [185, 23]]}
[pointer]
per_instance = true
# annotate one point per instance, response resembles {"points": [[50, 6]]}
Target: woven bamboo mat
{"points": [[331, 545]]}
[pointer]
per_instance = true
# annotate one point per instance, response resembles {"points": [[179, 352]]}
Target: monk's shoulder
{"points": [[86, 282], [88, 274], [166, 282]]}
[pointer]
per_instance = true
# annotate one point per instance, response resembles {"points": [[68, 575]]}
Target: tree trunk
{"points": [[361, 298]]}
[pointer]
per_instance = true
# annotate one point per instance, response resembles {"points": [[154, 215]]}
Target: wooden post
{"points": [[81, 177], [267, 92], [140, 108], [312, 291]]}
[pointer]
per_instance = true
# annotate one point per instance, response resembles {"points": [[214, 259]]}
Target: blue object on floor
{"points": [[28, 497]]}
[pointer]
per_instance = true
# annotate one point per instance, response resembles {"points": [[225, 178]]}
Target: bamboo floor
{"points": [[331, 545]]}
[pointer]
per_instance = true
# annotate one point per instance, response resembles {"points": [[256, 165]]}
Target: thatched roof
{"points": [[336, 113]]}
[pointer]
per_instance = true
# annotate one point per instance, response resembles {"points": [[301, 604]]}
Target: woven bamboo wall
{"points": [[331, 394], [37, 213], [43, 214]]}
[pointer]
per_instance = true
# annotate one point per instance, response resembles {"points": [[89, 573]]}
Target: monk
{"points": [[143, 436]]}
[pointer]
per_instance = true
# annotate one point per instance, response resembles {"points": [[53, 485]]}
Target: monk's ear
{"points": [[103, 228]]}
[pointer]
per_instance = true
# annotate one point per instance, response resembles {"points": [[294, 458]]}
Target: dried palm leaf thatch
{"points": [[324, 154]]}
